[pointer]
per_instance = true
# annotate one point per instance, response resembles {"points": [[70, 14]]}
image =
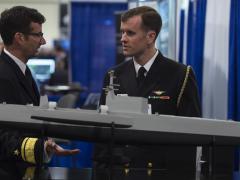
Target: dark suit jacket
{"points": [[180, 97], [15, 89]]}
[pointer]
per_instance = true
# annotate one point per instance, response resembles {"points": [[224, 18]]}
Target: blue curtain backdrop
{"points": [[83, 159], [195, 38], [234, 69], [234, 62], [181, 36], [93, 41], [93, 51]]}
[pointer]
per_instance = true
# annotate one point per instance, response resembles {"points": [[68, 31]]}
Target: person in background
{"points": [[21, 32], [170, 87], [60, 75]]}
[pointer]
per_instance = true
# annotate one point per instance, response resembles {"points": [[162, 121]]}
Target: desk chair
{"points": [[92, 101], [67, 101]]}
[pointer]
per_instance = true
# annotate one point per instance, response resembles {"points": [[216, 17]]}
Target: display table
{"points": [[22, 171], [131, 130]]}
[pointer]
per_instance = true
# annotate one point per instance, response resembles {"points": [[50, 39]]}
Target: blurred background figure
{"points": [[60, 76]]}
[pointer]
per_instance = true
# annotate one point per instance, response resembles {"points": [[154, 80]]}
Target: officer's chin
{"points": [[127, 54], [37, 52]]}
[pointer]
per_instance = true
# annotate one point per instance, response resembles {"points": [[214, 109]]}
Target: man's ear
{"points": [[19, 37], [151, 36]]}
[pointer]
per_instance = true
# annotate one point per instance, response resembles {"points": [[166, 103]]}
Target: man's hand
{"points": [[52, 148]]}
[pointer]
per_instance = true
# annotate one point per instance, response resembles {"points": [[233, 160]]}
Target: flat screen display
{"points": [[41, 68]]}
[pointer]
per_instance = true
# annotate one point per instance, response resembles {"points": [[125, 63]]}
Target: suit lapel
{"points": [[128, 79], [30, 90], [33, 90], [22, 79], [36, 93]]}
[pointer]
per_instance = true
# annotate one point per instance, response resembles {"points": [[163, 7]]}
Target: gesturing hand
{"points": [[53, 148]]}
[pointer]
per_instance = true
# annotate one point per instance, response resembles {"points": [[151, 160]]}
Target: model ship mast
{"points": [[123, 102]]}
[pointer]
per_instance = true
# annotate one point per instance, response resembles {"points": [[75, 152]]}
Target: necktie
{"points": [[141, 75], [28, 76], [33, 86]]}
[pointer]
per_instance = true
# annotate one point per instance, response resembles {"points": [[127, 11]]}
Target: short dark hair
{"points": [[18, 19], [151, 20]]}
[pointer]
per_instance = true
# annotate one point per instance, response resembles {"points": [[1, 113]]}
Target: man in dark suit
{"points": [[170, 87], [21, 32]]}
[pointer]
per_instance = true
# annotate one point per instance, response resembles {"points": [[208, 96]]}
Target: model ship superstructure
{"points": [[123, 103], [129, 115]]}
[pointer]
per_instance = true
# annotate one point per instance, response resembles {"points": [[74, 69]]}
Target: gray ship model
{"points": [[122, 103]]}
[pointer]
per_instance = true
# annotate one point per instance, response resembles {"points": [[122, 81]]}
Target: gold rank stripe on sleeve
{"points": [[183, 86], [27, 149], [22, 149]]}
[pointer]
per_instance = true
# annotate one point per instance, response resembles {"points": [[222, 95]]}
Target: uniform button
{"points": [[149, 168], [149, 165], [126, 168]]}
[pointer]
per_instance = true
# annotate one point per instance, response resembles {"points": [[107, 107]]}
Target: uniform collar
{"points": [[147, 66]]}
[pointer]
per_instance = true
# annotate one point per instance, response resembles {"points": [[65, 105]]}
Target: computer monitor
{"points": [[41, 68]]}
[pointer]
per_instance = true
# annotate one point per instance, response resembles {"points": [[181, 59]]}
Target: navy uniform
{"points": [[171, 89], [176, 83], [16, 88]]}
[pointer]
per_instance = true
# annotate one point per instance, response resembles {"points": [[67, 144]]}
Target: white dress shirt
{"points": [[147, 66]]}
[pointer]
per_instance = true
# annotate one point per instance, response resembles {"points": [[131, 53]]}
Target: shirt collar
{"points": [[20, 64], [147, 66]]}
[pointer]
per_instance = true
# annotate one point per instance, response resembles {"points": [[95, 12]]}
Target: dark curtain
{"points": [[195, 38]]}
